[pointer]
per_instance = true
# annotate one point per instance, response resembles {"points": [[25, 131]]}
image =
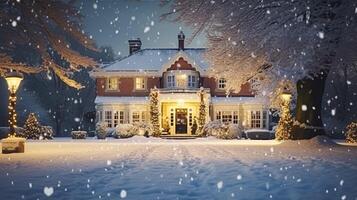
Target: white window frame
{"points": [[233, 116], [222, 83], [140, 83], [192, 81], [108, 118], [171, 81], [112, 84]]}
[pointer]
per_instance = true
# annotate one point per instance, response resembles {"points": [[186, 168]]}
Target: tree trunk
{"points": [[309, 95]]}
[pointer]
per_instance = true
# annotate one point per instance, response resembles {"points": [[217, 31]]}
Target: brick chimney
{"points": [[134, 45], [181, 41]]}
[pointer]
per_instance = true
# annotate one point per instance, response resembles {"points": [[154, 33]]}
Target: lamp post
{"points": [[13, 80], [285, 125], [13, 144]]}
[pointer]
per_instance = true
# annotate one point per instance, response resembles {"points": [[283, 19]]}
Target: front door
{"points": [[181, 121]]}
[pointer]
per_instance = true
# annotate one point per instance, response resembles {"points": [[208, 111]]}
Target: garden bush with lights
{"points": [[221, 130]]}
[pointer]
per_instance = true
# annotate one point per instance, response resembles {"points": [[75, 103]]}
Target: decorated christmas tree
{"points": [[32, 128], [202, 111], [154, 111], [285, 125]]}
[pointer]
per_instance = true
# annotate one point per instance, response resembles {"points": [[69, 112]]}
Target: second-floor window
{"points": [[140, 83], [222, 83], [171, 81], [112, 84], [192, 81]]}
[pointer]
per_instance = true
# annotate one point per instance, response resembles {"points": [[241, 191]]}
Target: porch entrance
{"points": [[181, 120]]}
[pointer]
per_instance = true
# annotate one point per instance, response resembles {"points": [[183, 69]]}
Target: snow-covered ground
{"points": [[142, 168]]}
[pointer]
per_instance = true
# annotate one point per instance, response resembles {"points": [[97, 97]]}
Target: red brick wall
{"points": [[126, 87], [211, 83], [181, 64]]}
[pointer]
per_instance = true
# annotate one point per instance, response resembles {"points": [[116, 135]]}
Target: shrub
{"points": [[221, 130], [125, 131], [351, 133], [143, 129], [100, 130], [46, 133], [32, 128], [79, 134]]}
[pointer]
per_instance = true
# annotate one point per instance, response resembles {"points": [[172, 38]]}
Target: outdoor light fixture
{"points": [[13, 144], [286, 95]]}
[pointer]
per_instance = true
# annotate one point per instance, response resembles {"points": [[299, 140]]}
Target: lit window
{"points": [[121, 117], [112, 84], [116, 118], [218, 115], [171, 81], [140, 83], [143, 116], [136, 117], [191, 81], [172, 117], [235, 117], [227, 116], [222, 82], [108, 118], [255, 119]]}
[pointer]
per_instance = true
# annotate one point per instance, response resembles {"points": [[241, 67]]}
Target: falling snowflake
{"points": [[95, 6], [133, 18], [220, 185], [304, 108], [147, 29], [14, 23], [239, 177], [109, 162], [77, 119], [333, 112], [321, 34], [123, 194]]}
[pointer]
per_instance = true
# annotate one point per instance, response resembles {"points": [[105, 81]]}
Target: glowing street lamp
{"points": [[13, 144], [13, 80], [286, 96]]}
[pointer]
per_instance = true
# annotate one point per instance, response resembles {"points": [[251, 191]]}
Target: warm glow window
{"points": [[255, 118], [112, 84], [227, 116], [222, 83], [140, 83], [136, 117]]}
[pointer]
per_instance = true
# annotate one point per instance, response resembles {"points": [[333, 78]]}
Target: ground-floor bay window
{"points": [[111, 117], [258, 119], [227, 116]]}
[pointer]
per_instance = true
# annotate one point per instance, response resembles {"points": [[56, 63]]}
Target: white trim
{"points": [[175, 58]]}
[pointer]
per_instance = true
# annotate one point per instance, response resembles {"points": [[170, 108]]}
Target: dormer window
{"points": [[140, 83], [170, 81], [222, 83], [192, 80], [112, 83]]}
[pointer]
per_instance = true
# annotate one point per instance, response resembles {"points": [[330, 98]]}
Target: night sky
{"points": [[114, 22]]}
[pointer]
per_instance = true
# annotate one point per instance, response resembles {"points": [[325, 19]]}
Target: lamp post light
{"points": [[285, 125], [13, 80], [12, 144]]}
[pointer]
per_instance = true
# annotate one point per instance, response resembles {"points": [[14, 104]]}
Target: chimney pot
{"points": [[181, 41], [134, 45]]}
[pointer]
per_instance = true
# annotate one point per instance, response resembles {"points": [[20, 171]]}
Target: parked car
{"points": [[259, 134]]}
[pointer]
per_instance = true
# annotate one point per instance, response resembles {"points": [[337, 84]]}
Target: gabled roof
{"points": [[153, 60]]}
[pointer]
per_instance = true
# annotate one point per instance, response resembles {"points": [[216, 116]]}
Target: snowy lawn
{"points": [[142, 168]]}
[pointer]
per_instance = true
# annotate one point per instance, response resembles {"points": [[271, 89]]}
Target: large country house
{"points": [[123, 89]]}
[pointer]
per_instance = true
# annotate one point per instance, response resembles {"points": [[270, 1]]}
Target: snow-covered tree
{"points": [[50, 29], [273, 40], [285, 125], [155, 112]]}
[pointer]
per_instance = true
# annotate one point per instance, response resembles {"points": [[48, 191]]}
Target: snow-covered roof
{"points": [[154, 59], [122, 100], [239, 100]]}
